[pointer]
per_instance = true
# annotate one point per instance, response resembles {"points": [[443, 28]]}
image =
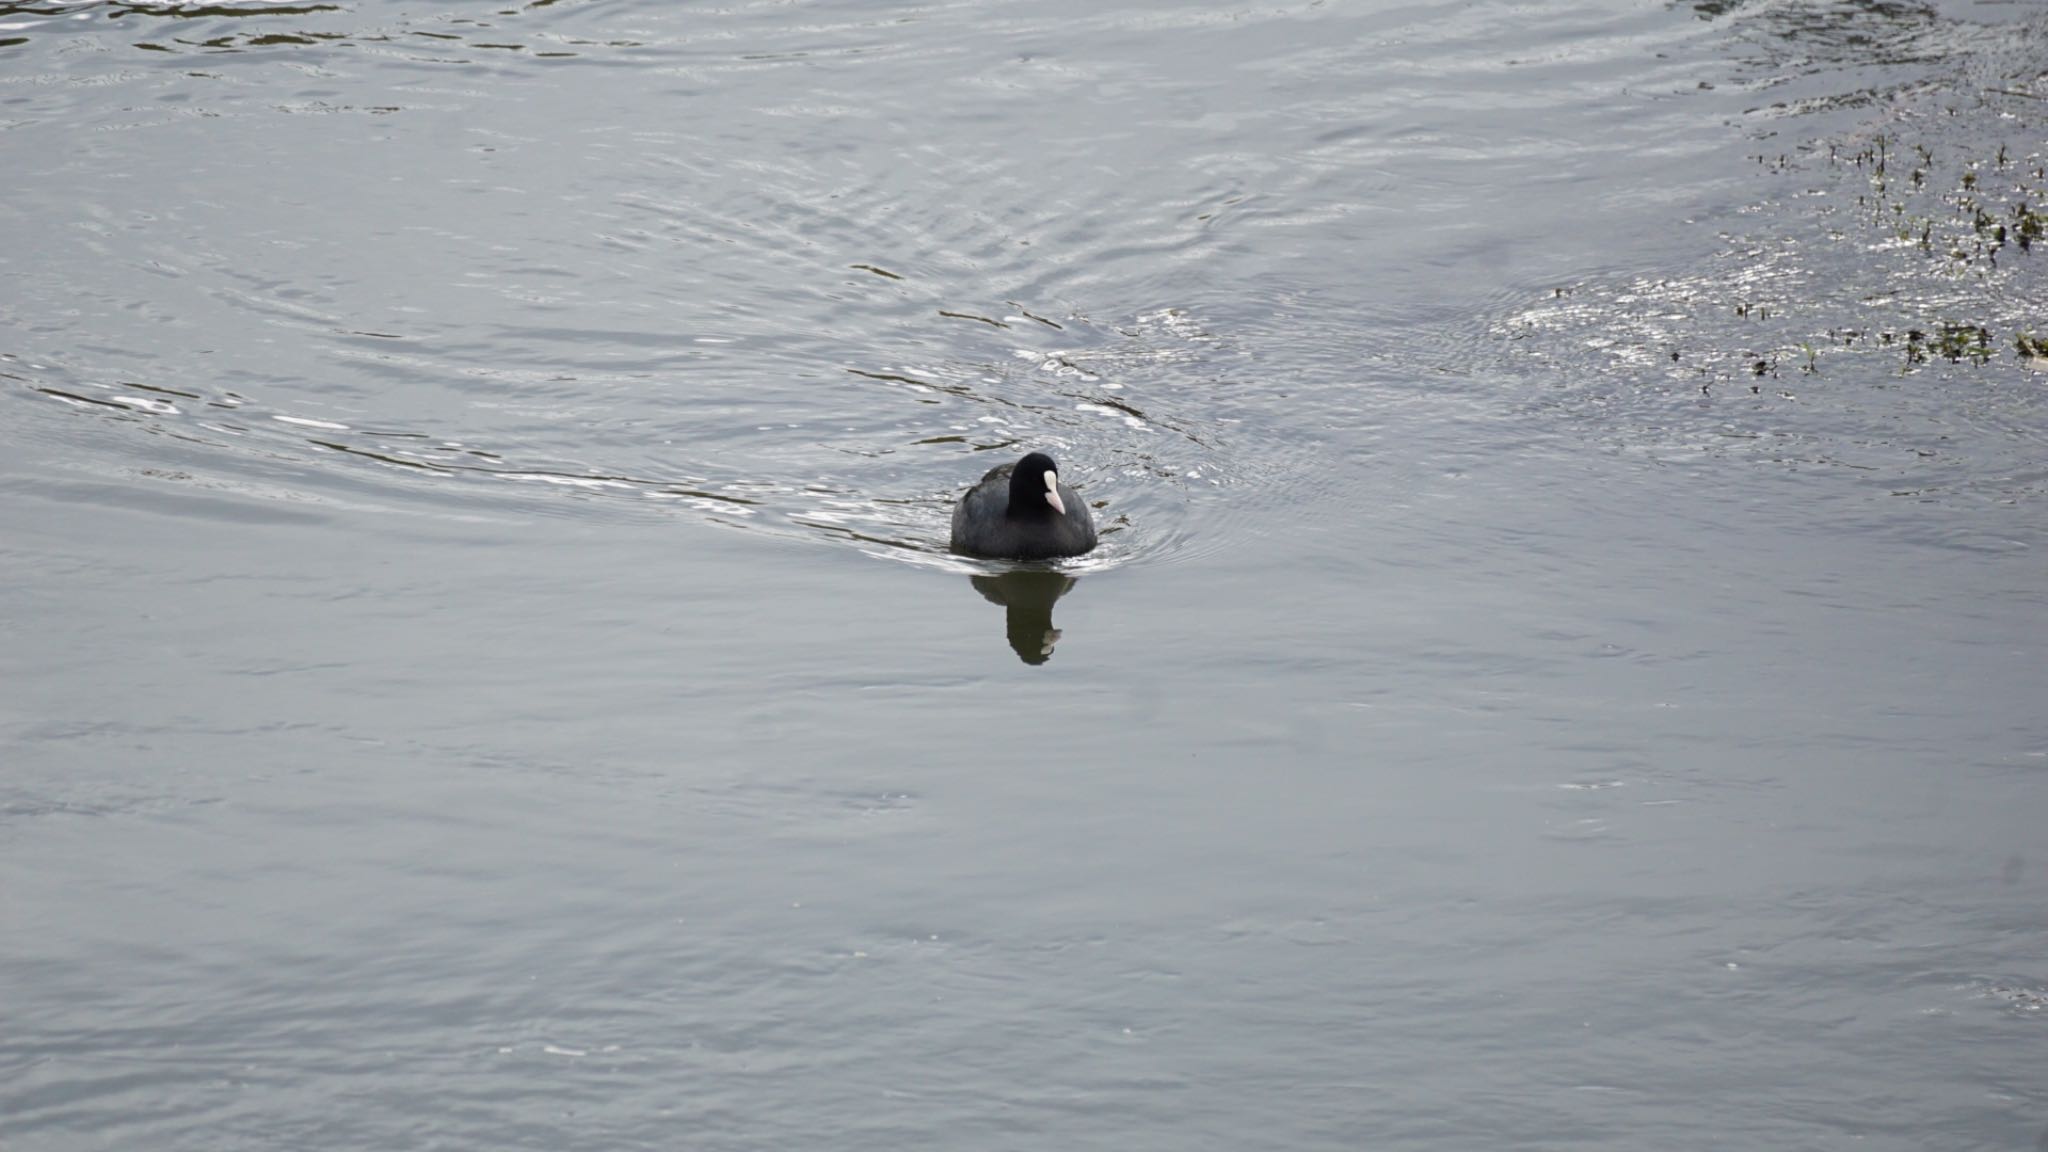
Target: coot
{"points": [[1021, 511]]}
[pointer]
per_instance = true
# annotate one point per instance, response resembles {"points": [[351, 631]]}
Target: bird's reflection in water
{"points": [[1028, 595]]}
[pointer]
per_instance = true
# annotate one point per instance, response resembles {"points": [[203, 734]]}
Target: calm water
{"points": [[1565, 666]]}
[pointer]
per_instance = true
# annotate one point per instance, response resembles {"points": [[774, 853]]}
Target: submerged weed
{"points": [[1958, 342]]}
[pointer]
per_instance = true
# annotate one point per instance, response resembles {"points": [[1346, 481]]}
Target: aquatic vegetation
{"points": [[1888, 261], [1967, 220], [2028, 225], [1958, 342], [1950, 210], [1915, 237]]}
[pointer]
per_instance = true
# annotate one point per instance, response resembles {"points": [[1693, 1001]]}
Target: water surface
{"points": [[484, 669]]}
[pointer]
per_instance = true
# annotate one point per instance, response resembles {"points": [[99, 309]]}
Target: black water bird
{"points": [[1021, 511]]}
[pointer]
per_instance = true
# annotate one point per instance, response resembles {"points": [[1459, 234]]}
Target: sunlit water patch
{"points": [[1873, 311]]}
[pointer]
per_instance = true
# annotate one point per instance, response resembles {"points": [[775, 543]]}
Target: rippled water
{"points": [[1563, 668]]}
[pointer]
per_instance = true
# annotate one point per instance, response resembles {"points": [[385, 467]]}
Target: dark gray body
{"points": [[985, 523]]}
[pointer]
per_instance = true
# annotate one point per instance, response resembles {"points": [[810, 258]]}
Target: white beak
{"points": [[1052, 493]]}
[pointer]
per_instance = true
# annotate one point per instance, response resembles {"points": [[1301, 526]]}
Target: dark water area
{"points": [[1564, 666]]}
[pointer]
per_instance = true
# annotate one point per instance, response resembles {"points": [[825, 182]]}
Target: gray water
{"points": [[1565, 667]]}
